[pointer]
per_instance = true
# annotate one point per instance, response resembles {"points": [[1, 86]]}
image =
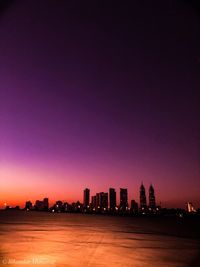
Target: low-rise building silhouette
{"points": [[134, 206], [28, 205]]}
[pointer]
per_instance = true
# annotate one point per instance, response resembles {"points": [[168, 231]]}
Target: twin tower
{"points": [[143, 199]]}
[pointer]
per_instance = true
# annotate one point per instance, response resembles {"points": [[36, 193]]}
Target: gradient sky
{"points": [[99, 96]]}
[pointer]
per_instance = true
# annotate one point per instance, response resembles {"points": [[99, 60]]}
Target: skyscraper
{"points": [[46, 203], [152, 200], [123, 199], [94, 202], [97, 201], [112, 199], [143, 200], [86, 198], [103, 199]]}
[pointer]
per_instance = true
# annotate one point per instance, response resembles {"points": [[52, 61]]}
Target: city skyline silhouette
{"points": [[99, 133], [99, 97]]}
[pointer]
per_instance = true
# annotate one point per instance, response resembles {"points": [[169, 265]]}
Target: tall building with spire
{"points": [[143, 200], [152, 199]]}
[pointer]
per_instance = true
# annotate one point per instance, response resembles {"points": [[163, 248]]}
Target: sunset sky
{"points": [[99, 96]]}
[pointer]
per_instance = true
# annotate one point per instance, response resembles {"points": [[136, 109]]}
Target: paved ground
{"points": [[58, 240]]}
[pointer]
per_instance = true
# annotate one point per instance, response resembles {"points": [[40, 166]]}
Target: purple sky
{"points": [[98, 96]]}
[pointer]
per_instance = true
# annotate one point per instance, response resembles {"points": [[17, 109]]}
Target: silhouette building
{"points": [[86, 198], [28, 205], [94, 202], [134, 206], [123, 199], [42, 205], [112, 199], [143, 200], [39, 205], [152, 200], [103, 201], [59, 206], [97, 201], [46, 203]]}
